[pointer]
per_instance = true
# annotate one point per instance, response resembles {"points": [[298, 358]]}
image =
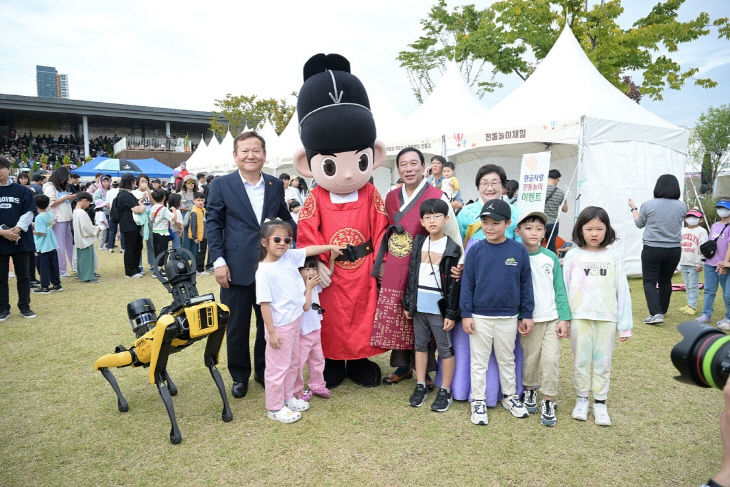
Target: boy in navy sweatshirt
{"points": [[496, 287]]}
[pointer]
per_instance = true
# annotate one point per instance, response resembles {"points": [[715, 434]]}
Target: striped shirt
{"points": [[553, 199]]}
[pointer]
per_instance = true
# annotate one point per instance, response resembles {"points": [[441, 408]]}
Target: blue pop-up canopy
{"points": [[89, 169], [116, 167]]}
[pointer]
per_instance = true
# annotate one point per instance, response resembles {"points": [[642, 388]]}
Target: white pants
{"points": [[498, 332]]}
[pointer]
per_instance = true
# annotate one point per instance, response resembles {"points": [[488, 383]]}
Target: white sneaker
{"points": [[724, 324], [285, 415], [600, 414], [136, 276], [65, 274], [297, 405], [529, 399], [514, 405], [479, 413], [580, 411], [203, 273], [547, 415]]}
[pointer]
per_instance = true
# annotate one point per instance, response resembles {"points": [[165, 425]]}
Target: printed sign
{"points": [[533, 182]]}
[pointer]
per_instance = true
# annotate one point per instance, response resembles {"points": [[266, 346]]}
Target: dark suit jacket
{"points": [[231, 225]]}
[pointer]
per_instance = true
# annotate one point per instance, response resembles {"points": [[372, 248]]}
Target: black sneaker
{"points": [[529, 399], [547, 417], [57, 289], [34, 284], [419, 396], [28, 313], [4, 315], [41, 290], [442, 402]]}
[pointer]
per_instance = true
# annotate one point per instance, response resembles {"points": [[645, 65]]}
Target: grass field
{"points": [[60, 424]]}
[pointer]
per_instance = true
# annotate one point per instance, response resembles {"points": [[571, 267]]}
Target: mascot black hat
{"points": [[333, 108]]}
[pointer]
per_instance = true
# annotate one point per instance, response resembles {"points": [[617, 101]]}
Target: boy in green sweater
{"points": [[551, 317]]}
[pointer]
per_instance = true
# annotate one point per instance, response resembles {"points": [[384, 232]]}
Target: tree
{"points": [[711, 143], [243, 110], [511, 35]]}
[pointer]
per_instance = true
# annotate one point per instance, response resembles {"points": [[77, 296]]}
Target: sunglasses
{"points": [[277, 239], [318, 308]]}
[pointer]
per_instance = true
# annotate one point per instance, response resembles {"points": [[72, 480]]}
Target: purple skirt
{"points": [[461, 385]]}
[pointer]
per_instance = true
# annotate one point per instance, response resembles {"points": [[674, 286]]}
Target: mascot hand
{"points": [[325, 275]]}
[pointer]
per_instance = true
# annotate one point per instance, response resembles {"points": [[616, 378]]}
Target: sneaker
{"points": [[136, 276], [203, 273], [111, 251], [305, 395], [514, 405], [41, 290], [11, 274], [65, 274], [296, 405], [724, 324], [28, 313], [152, 268], [529, 399], [321, 392], [442, 402], [4, 315], [580, 411], [420, 393], [654, 320], [35, 284], [547, 413], [600, 414], [57, 289], [285, 415], [703, 319], [91, 281], [479, 413], [689, 310]]}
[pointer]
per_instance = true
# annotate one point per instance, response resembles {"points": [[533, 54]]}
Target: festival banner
{"points": [[533, 182]]}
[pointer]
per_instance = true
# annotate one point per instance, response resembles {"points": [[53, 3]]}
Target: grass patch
{"points": [[60, 424]]}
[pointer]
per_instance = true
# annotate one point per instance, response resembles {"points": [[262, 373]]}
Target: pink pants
{"points": [[282, 365], [62, 230], [310, 353]]}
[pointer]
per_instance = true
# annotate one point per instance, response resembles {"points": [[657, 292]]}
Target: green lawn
{"points": [[60, 424]]}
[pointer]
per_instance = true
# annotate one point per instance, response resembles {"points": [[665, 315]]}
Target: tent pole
{"points": [[699, 202]]}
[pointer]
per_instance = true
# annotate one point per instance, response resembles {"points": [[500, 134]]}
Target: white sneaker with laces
{"points": [[724, 324], [297, 405], [580, 411], [547, 415], [285, 415], [514, 405], [529, 399], [600, 414], [479, 413]]}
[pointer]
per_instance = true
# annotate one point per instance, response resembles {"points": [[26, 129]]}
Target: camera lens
{"points": [[703, 355], [142, 318]]}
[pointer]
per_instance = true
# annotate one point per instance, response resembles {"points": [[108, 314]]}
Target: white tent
{"points": [[196, 161], [607, 147], [223, 158]]}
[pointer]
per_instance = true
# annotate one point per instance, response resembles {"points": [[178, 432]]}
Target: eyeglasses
{"points": [[277, 239], [256, 152], [493, 184], [432, 218], [318, 308]]}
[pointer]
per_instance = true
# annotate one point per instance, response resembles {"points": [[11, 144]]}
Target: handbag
{"points": [[441, 303], [709, 248]]}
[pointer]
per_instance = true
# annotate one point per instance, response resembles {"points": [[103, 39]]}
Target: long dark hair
{"points": [[267, 228], [303, 188], [59, 178], [588, 214]]}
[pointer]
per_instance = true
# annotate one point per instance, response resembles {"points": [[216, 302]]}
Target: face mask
{"points": [[693, 220], [723, 212]]}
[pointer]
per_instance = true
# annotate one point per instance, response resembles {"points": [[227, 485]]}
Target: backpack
{"points": [[114, 212]]}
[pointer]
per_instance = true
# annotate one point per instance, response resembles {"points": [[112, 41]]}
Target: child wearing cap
{"points": [[693, 235], [716, 267], [551, 317], [496, 287]]}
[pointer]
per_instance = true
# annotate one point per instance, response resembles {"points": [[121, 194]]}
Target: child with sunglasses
{"points": [[310, 339], [280, 291]]}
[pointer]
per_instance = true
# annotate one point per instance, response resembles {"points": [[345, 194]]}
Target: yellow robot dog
{"points": [[188, 319]]}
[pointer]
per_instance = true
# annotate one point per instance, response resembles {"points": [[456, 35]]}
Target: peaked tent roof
{"points": [[288, 142], [566, 86]]}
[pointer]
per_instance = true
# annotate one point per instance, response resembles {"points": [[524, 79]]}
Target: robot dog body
{"points": [[190, 317]]}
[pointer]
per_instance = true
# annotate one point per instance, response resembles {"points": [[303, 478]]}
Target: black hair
{"points": [[5, 162], [127, 181], [142, 175], [209, 178], [511, 187], [410, 149], [490, 168], [200, 175], [60, 177], [248, 135], [449, 164], [198, 195], [532, 219], [434, 206], [293, 204], [310, 262], [37, 177], [554, 174], [667, 187], [73, 175], [158, 195], [589, 213], [267, 228], [440, 159], [284, 175], [42, 201], [302, 186], [83, 195], [173, 200], [23, 174]]}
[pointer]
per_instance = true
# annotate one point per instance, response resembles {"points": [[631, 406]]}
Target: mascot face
{"points": [[336, 127]]}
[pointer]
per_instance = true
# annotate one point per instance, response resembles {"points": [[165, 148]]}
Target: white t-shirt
{"points": [[311, 320], [100, 219], [291, 193], [280, 284], [161, 218], [429, 277]]}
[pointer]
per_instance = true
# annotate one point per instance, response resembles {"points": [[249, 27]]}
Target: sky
{"points": [[187, 54]]}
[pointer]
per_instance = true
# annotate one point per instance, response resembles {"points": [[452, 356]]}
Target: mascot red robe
{"points": [[340, 152]]}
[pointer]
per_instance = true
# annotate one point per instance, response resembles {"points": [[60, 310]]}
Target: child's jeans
{"points": [[282, 365], [310, 354], [499, 332], [691, 284], [712, 279], [592, 343]]}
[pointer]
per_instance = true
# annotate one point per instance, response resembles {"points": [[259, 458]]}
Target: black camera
{"points": [[703, 355]]}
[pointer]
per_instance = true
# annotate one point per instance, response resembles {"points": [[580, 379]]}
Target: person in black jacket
{"points": [[432, 299]]}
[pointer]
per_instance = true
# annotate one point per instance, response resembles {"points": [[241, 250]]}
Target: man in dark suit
{"points": [[237, 205]]}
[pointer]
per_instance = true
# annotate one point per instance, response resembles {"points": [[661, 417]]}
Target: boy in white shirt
{"points": [[162, 219]]}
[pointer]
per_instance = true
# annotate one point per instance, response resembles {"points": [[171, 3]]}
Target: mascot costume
{"points": [[340, 152]]}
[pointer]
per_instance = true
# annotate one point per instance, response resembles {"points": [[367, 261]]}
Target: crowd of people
{"points": [[13, 146], [480, 263]]}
